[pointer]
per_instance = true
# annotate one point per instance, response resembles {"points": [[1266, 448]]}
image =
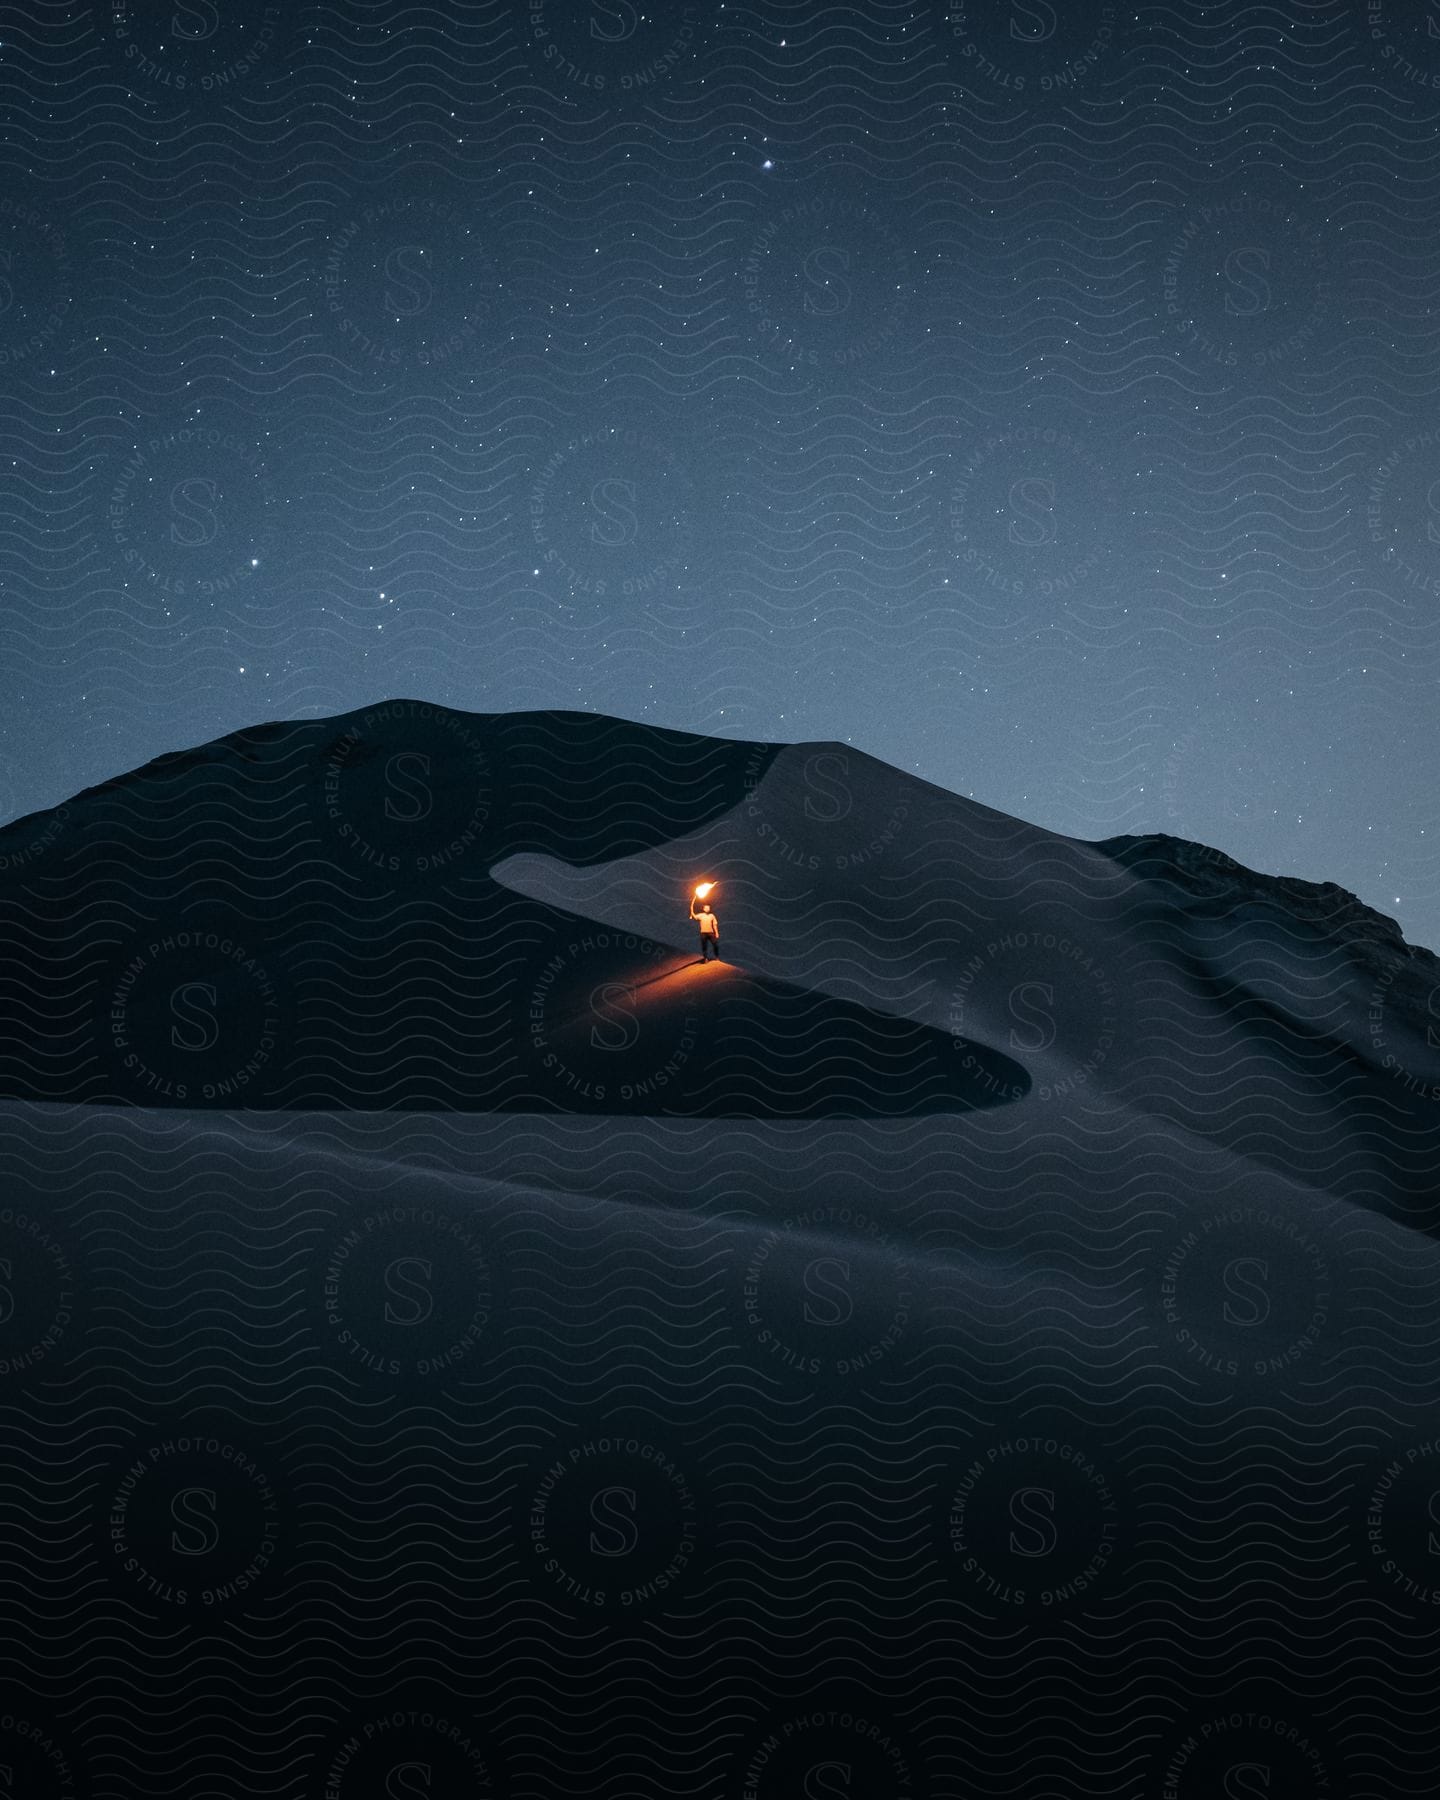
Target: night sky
{"points": [[1039, 397]]}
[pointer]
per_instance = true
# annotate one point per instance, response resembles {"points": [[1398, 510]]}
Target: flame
{"points": [[703, 889]]}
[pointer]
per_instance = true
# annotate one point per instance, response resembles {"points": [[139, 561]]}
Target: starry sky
{"points": [[1041, 398]]}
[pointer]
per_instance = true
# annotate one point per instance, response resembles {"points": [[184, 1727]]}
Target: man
{"points": [[703, 914]]}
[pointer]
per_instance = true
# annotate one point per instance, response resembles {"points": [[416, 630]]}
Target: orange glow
{"points": [[703, 889]]}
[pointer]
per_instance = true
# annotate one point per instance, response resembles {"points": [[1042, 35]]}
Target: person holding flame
{"points": [[703, 914]]}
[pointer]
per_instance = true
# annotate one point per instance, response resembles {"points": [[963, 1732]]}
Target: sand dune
{"points": [[980, 1339]]}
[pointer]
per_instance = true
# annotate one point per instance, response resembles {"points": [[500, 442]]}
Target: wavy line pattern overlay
{"points": [[975, 1340]]}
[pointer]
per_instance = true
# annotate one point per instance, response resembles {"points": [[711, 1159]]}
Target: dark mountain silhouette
{"points": [[308, 915]]}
